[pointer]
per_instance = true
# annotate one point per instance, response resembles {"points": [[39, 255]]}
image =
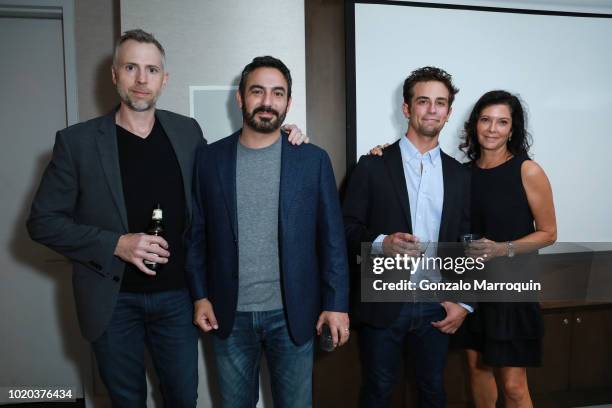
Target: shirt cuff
{"points": [[469, 308], [377, 245]]}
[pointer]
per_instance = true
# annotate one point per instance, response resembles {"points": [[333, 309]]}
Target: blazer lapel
{"points": [[106, 139], [182, 156], [395, 167], [226, 167], [449, 194]]}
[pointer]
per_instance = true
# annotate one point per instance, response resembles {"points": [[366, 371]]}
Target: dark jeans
{"points": [[162, 321], [382, 349], [239, 355]]}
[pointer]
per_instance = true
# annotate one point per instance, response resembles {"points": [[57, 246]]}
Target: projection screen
{"points": [[559, 62]]}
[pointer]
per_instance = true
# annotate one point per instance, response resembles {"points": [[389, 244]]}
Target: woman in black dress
{"points": [[512, 206]]}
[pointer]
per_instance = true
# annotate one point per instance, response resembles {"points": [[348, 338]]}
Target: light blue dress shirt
{"points": [[425, 185]]}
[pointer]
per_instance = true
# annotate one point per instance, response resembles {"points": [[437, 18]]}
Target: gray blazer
{"points": [[79, 209]]}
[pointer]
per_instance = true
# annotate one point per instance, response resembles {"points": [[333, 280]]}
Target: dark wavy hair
{"points": [[264, 62], [520, 141], [426, 74]]}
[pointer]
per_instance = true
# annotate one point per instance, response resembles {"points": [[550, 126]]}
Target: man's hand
{"points": [[134, 248], [338, 323], [401, 243], [455, 314], [296, 137], [204, 316], [378, 150]]}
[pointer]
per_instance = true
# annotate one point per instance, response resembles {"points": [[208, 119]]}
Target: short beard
{"points": [[263, 126], [137, 106], [432, 133], [428, 132]]}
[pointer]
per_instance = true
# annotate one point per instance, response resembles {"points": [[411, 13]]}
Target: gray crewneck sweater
{"points": [[257, 198]]}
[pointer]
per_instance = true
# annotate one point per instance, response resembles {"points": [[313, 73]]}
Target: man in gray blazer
{"points": [[94, 201]]}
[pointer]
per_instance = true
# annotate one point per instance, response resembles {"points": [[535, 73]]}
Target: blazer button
{"points": [[116, 278]]}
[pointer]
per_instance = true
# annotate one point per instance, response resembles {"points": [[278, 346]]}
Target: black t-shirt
{"points": [[151, 175]]}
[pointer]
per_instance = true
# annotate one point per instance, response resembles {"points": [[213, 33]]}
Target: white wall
{"points": [[208, 43], [559, 65]]}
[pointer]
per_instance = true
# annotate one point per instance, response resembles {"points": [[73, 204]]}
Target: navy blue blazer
{"points": [[376, 202], [313, 260]]}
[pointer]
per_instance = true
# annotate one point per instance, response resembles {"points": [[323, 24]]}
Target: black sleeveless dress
{"points": [[507, 334]]}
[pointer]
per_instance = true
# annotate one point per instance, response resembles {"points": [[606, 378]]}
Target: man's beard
{"points": [[429, 131], [263, 125], [137, 106]]}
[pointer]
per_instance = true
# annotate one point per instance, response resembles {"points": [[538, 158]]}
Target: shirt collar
{"points": [[410, 152]]}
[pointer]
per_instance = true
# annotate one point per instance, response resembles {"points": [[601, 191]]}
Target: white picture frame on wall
{"points": [[215, 109]]}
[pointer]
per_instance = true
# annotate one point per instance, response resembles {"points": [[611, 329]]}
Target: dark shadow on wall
{"points": [[325, 79], [105, 92], [116, 19]]}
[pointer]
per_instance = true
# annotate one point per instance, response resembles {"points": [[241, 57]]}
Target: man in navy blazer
{"points": [[266, 256], [413, 194]]}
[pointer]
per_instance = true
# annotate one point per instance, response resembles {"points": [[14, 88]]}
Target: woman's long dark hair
{"points": [[520, 141]]}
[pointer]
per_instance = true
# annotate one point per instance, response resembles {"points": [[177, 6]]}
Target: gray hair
{"points": [[140, 36]]}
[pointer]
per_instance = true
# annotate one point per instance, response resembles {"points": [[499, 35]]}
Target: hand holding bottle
{"points": [[136, 248], [146, 251]]}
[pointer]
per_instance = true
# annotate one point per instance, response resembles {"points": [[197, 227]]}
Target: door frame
{"points": [[57, 10]]}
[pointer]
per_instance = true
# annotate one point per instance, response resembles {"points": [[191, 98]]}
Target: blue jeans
{"points": [[238, 358], [163, 322], [382, 349]]}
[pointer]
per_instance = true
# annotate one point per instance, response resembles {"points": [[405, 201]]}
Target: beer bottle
{"points": [[156, 227]]}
